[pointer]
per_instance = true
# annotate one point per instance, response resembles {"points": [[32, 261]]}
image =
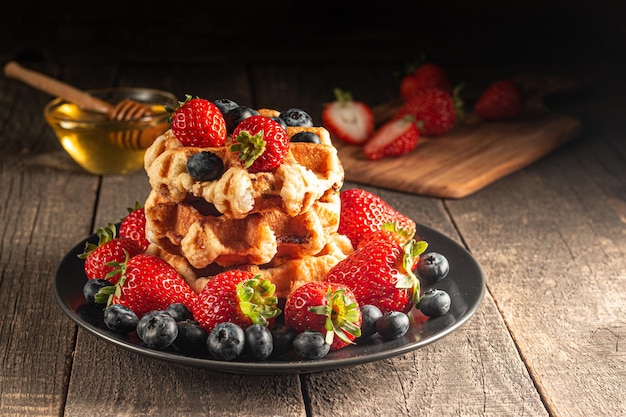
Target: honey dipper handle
{"points": [[56, 88]]}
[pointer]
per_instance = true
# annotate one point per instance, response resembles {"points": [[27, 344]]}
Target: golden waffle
{"points": [[286, 274], [282, 224]]}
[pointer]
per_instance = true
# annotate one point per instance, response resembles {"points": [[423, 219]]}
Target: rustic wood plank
{"points": [[44, 210], [555, 262]]}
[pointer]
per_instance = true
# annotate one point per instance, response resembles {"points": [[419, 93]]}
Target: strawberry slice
{"points": [[348, 120], [394, 138]]}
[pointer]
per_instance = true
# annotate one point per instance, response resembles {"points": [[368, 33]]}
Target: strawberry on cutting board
{"points": [[394, 138], [435, 110], [347, 119], [502, 100], [427, 75]]}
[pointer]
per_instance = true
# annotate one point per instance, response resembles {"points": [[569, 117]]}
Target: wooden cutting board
{"points": [[475, 153]]}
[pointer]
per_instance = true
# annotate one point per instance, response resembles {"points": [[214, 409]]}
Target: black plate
{"points": [[465, 284]]}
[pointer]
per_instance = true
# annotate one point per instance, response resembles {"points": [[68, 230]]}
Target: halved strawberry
{"points": [[347, 119], [394, 138]]}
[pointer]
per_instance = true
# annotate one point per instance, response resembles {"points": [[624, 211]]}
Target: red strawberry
{"points": [[502, 100], [435, 110], [133, 226], [109, 249], [428, 75], [381, 274], [325, 307], [348, 120], [198, 122], [363, 213], [238, 297], [147, 283], [394, 138], [260, 143], [388, 231]]}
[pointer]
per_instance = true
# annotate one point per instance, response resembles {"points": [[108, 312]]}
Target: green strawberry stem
{"points": [[412, 249], [105, 294], [257, 299], [340, 314], [105, 234], [249, 147]]}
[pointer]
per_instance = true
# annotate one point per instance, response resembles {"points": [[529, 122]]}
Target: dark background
{"points": [[482, 32]]}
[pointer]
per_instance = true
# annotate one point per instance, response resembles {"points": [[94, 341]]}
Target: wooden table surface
{"points": [[547, 340]]}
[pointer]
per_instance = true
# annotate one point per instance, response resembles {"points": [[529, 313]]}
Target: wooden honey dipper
{"points": [[126, 109]]}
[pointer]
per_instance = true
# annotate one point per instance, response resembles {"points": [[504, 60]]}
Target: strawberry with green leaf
{"points": [[363, 212], [380, 274], [146, 283], [236, 296], [197, 122], [325, 307], [133, 226], [260, 143], [436, 111], [109, 249]]}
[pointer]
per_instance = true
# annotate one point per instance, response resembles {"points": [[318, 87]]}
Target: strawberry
{"points": [[388, 231], [198, 122], [380, 274], [363, 213], [502, 100], [238, 297], [435, 110], [394, 138], [428, 75], [133, 226], [325, 307], [260, 143], [109, 249], [348, 120], [147, 283]]}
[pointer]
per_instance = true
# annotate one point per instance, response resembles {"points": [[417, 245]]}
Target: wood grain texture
{"points": [[474, 154]]}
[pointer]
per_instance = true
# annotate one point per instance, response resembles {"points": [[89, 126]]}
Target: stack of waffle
{"points": [[280, 224]]}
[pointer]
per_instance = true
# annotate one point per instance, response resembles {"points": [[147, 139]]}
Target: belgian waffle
{"points": [[281, 224]]}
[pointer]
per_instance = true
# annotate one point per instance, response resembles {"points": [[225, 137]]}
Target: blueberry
{"points": [[296, 117], [157, 329], [226, 341], [432, 267], [259, 344], [225, 105], [434, 302], [280, 122], [179, 312], [370, 315], [282, 337], [392, 325], [205, 166], [304, 136], [92, 287], [236, 115], [310, 345], [120, 318], [191, 337]]}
